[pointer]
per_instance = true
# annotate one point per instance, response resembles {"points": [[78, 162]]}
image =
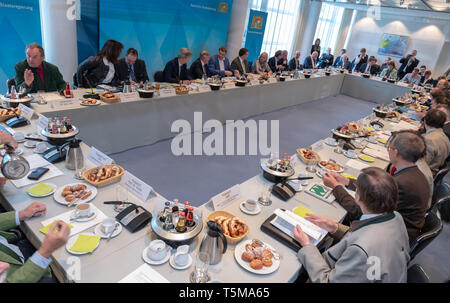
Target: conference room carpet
{"points": [[198, 178]]}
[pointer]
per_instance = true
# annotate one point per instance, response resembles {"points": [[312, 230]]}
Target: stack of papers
{"points": [[358, 165], [144, 274], [380, 154]]}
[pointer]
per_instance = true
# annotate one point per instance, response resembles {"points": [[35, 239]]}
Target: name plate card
{"points": [[317, 146], [129, 96], [64, 103], [42, 122], [227, 197], [272, 80], [167, 92], [27, 112], [99, 158], [204, 88], [229, 85], [137, 187], [254, 82]]}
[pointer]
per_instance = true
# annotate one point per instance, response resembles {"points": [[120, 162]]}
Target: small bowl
{"points": [[240, 83], [214, 86], [341, 71], [327, 73], [366, 75], [391, 80], [282, 78], [379, 113], [145, 93], [307, 76], [399, 103]]}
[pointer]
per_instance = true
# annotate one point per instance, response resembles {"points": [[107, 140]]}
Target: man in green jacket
{"points": [[34, 74]]}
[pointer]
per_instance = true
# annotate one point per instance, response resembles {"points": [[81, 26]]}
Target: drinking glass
{"points": [[265, 195], [338, 149], [200, 273], [122, 196]]}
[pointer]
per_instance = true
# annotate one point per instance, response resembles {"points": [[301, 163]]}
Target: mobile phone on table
{"points": [[38, 173]]}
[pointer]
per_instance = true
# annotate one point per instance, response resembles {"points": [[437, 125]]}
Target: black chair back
{"points": [[416, 274], [441, 174], [431, 229], [9, 83], [443, 206], [75, 81], [441, 192], [158, 76]]}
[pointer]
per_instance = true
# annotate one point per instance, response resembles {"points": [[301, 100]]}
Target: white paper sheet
{"points": [[77, 226], [356, 164], [144, 274], [383, 155]]}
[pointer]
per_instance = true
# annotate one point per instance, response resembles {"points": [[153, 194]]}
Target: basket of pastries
{"points": [[7, 113], [104, 175], [109, 97], [181, 90], [233, 227], [308, 156]]}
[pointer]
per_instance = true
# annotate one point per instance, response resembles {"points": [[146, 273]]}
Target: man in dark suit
{"points": [[344, 63], [405, 148], [326, 60], [176, 70], [276, 62], [408, 64], [131, 68], [371, 68], [446, 109], [294, 63], [240, 63], [200, 68], [339, 58], [360, 60], [311, 61]]}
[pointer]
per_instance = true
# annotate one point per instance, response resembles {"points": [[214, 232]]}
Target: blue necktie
{"points": [[132, 76]]}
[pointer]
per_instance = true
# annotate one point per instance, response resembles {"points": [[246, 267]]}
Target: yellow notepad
{"points": [[302, 211], [85, 243], [41, 189], [45, 229], [348, 176]]}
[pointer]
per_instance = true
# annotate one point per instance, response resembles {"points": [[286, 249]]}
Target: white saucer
{"points": [[152, 262], [84, 219], [249, 212], [173, 264], [98, 231], [327, 143], [20, 141], [30, 144], [18, 151], [345, 154], [72, 241]]}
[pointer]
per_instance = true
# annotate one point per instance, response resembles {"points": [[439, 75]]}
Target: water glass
{"points": [[265, 195], [200, 273], [122, 196]]}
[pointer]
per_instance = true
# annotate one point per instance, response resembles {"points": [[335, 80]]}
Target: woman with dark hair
{"points": [[373, 249], [100, 69], [316, 47]]}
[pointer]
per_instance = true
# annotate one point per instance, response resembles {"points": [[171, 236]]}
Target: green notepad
{"points": [[85, 243], [319, 190], [41, 189], [45, 229]]}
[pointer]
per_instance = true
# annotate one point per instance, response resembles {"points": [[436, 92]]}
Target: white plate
{"points": [[72, 241], [249, 212], [354, 157], [61, 200], [336, 171], [92, 216], [30, 144], [240, 248], [98, 103], [98, 231], [152, 262], [174, 265], [49, 194]]}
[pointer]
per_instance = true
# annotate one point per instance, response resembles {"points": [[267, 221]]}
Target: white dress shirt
{"points": [[110, 76], [222, 64]]}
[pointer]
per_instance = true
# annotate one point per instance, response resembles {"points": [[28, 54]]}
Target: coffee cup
{"points": [[157, 250], [331, 141], [250, 205], [83, 210], [41, 147], [181, 257], [19, 136], [107, 225], [351, 153]]}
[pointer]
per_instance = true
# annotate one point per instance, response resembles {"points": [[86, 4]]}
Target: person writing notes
{"points": [[176, 70], [311, 61], [131, 68], [240, 63], [261, 66], [276, 62], [220, 65]]}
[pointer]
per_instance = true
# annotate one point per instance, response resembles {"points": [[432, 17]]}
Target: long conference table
{"points": [[117, 258]]}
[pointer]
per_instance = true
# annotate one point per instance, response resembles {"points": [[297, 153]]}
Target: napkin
{"points": [[45, 229], [41, 189], [85, 243], [302, 211]]}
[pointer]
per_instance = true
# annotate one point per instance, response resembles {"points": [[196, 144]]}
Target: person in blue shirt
{"points": [[220, 65]]}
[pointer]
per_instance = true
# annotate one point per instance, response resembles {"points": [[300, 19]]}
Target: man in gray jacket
{"points": [[438, 145], [373, 249]]}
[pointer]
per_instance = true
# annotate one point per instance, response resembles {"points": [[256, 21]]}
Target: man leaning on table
{"points": [[35, 74], [220, 65], [405, 148], [25, 264], [176, 70], [199, 68], [413, 77], [311, 61], [240, 62], [131, 68], [379, 237]]}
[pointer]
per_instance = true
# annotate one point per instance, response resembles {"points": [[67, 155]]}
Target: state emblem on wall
{"points": [[257, 22], [223, 7]]}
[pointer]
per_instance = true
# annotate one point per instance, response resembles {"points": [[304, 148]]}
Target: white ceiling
{"points": [[426, 5]]}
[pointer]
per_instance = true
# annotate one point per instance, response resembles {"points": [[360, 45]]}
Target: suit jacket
{"points": [[95, 71], [383, 236], [374, 69], [423, 82], [172, 72], [273, 64], [214, 66], [53, 80], [326, 60], [404, 68], [363, 60], [413, 197], [392, 74], [337, 61], [140, 71], [446, 129], [307, 64], [295, 64], [315, 48], [236, 64], [438, 148], [344, 64], [17, 272], [197, 69]]}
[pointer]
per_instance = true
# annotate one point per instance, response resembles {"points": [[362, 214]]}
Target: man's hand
{"points": [[322, 222], [3, 268], [300, 236], [340, 178], [2, 182], [329, 180], [52, 240], [280, 67], [34, 210], [236, 73], [228, 73], [29, 77], [7, 139]]}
